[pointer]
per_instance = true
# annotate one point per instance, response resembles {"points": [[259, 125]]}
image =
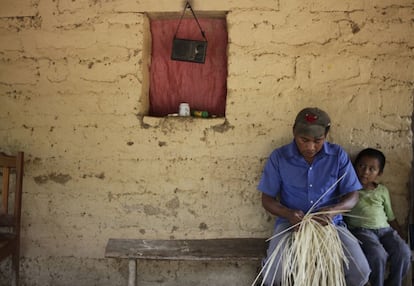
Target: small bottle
{"points": [[184, 109], [198, 113]]}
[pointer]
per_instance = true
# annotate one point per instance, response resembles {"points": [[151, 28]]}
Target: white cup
{"points": [[184, 109]]}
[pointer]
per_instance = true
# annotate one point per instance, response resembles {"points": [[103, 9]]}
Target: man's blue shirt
{"points": [[299, 185]]}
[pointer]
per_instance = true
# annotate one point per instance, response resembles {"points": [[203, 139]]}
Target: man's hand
{"points": [[295, 217], [324, 218]]}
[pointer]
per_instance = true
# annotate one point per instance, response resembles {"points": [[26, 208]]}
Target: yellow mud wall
{"points": [[74, 98]]}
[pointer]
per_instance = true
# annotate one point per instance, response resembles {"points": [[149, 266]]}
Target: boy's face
{"points": [[368, 170]]}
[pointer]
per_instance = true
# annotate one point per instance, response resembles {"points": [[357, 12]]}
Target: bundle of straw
{"points": [[311, 256]]}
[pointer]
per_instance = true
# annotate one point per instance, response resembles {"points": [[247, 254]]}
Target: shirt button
{"points": [[310, 185], [311, 202]]}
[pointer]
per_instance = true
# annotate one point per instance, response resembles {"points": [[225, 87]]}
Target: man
{"points": [[297, 175]]}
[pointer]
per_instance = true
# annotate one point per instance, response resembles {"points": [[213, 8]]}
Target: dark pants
{"points": [[380, 247]]}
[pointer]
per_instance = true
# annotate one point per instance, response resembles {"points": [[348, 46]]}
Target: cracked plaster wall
{"points": [[73, 97]]}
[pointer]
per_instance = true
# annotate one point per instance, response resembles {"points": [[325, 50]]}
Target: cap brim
{"points": [[313, 130]]}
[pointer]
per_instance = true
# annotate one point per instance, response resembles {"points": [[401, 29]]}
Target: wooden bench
{"points": [[222, 249]]}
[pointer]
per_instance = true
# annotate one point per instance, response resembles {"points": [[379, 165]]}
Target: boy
{"points": [[374, 224]]}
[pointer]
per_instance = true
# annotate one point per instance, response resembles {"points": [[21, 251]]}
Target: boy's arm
{"points": [[395, 225], [390, 214]]}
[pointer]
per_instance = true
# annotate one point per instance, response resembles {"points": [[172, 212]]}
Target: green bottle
{"points": [[198, 113]]}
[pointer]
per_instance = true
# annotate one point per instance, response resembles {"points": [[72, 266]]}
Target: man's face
{"points": [[309, 146]]}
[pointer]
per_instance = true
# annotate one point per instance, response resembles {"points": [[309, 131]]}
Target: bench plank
{"points": [[188, 249]]}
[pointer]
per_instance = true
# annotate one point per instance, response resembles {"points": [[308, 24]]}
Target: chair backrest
{"points": [[11, 174]]}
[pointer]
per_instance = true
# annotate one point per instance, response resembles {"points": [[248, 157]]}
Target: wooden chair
{"points": [[11, 174]]}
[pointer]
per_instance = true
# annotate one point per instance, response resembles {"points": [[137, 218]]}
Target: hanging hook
{"points": [[188, 6]]}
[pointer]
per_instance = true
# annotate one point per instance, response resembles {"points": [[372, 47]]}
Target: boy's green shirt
{"points": [[373, 209]]}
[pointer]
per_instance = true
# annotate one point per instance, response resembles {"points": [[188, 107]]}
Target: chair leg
{"points": [[132, 276]]}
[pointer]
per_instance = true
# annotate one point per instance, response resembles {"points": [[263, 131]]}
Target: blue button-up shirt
{"points": [[299, 185]]}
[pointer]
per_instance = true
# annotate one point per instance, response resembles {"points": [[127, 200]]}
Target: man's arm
{"points": [[274, 207], [346, 203]]}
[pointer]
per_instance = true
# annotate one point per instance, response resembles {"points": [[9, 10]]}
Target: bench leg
{"points": [[132, 272]]}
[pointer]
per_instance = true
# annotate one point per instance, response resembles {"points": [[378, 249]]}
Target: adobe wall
{"points": [[74, 95]]}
